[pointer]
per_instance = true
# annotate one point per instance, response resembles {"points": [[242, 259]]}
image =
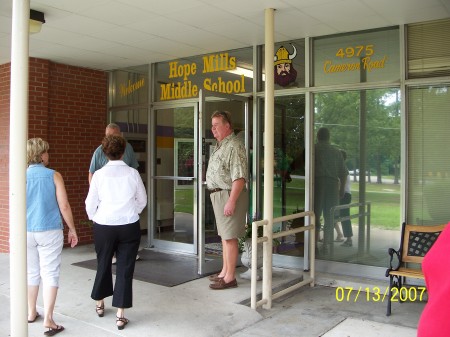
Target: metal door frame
{"points": [[152, 224]]}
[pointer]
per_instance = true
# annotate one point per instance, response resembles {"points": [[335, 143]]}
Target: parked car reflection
{"points": [[356, 172]]}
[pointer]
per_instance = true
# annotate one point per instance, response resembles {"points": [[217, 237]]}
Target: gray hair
{"points": [[113, 126]]}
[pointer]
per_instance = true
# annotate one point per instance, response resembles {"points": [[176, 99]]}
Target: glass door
{"points": [[183, 219], [174, 191]]}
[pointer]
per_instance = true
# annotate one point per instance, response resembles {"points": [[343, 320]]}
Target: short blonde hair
{"points": [[36, 147]]}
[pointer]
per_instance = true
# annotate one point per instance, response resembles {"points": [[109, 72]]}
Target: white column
{"points": [[268, 154], [17, 167]]}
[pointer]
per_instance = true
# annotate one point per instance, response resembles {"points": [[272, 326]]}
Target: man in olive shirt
{"points": [[330, 174], [226, 177]]}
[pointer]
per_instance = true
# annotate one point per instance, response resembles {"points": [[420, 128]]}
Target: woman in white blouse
{"points": [[116, 198]]}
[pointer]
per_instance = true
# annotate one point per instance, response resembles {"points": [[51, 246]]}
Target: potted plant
{"points": [[245, 248]]}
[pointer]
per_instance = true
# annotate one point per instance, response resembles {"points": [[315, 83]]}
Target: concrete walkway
{"points": [[192, 309]]}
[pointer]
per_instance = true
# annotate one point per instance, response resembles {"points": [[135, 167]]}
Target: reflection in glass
{"points": [[174, 198], [366, 124], [289, 174]]}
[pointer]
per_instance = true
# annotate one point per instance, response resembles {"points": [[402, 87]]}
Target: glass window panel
{"points": [[289, 183], [131, 120], [129, 86], [289, 64], [366, 124], [172, 126], [428, 155], [368, 56]]}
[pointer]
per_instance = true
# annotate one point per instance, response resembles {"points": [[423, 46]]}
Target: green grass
{"points": [[384, 199], [385, 204], [183, 200]]}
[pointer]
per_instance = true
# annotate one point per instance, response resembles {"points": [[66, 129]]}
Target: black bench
{"points": [[415, 242]]}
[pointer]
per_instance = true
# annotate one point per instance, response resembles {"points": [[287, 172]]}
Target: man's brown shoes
{"points": [[221, 284]]}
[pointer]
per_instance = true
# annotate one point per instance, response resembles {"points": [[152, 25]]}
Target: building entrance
{"points": [[183, 219]]}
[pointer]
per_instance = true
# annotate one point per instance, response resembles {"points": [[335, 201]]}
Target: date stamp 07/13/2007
{"points": [[376, 294]]}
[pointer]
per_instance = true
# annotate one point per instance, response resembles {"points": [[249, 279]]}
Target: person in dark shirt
{"points": [[330, 175]]}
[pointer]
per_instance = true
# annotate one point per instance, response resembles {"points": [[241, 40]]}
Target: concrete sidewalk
{"points": [[192, 309]]}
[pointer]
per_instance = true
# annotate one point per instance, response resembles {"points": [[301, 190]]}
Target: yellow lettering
{"points": [[367, 64], [173, 69], [194, 91], [184, 70], [207, 84], [238, 86], [222, 85], [329, 67], [178, 90], [165, 91], [228, 87], [242, 84], [376, 64], [131, 87], [208, 64], [218, 62], [232, 63], [326, 65]]}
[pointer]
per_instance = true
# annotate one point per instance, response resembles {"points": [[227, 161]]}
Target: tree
{"points": [[340, 112]]}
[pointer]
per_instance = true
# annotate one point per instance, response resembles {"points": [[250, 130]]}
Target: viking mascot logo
{"points": [[285, 73]]}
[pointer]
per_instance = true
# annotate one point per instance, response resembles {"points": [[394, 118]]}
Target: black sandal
{"points": [[122, 320], [100, 310], [54, 331]]}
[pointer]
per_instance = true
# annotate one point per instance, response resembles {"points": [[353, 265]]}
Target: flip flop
{"points": [[35, 318], [52, 332]]}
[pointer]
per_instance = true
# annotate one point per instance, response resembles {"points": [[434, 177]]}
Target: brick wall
{"points": [[67, 107]]}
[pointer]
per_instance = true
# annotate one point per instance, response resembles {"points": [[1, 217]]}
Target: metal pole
{"points": [[268, 154], [309, 171], [17, 167], [362, 160], [201, 160]]}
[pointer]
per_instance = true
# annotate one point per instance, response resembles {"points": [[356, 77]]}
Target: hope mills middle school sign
{"points": [[183, 87]]}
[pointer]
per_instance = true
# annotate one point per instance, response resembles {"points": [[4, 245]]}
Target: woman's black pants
{"points": [[123, 241]]}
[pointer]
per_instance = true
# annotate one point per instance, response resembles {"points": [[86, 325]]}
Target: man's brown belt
{"points": [[214, 190]]}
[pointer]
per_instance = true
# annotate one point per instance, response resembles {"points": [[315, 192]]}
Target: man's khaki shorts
{"points": [[230, 227]]}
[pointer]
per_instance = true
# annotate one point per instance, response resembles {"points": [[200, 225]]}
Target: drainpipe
{"points": [[268, 154], [17, 167]]}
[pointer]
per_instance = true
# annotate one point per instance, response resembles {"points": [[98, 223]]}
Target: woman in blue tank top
{"points": [[46, 201]]}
